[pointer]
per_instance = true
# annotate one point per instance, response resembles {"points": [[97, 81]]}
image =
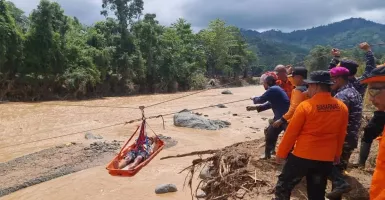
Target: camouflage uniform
{"points": [[370, 65], [353, 100]]}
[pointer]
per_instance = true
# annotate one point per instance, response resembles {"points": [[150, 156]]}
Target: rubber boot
{"points": [[339, 184], [337, 193], [267, 153], [364, 154]]}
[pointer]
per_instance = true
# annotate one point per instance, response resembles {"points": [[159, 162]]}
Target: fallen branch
{"points": [[191, 154]]}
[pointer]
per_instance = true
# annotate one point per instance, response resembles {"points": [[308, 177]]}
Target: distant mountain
{"points": [[282, 47]]}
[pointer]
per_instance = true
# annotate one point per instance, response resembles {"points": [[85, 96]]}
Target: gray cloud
{"points": [[281, 14], [251, 14], [88, 11]]}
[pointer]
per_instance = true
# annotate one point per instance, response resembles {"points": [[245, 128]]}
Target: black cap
{"points": [[301, 71], [319, 77], [350, 65], [377, 75]]}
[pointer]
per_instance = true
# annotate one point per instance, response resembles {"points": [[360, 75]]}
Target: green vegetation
{"points": [[49, 55], [275, 47]]}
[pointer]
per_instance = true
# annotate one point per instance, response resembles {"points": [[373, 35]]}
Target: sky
{"points": [[285, 15]]}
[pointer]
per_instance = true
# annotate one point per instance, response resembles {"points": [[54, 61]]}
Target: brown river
{"points": [[26, 122]]}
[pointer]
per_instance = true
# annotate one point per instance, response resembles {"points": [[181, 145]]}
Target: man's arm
{"points": [[375, 127], [292, 132], [336, 59], [334, 62], [370, 62], [296, 98], [264, 98]]}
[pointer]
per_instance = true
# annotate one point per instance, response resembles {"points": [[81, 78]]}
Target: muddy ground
{"points": [[237, 173], [59, 161]]}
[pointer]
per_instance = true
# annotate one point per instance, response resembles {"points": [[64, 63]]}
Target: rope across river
{"points": [[152, 105], [126, 122]]}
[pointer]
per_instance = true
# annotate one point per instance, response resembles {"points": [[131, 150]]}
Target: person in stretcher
{"points": [[137, 155]]}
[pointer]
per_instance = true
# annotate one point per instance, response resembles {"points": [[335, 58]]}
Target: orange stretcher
{"points": [[125, 149]]}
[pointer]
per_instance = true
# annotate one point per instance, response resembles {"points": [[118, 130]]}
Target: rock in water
{"points": [[90, 136], [205, 173], [201, 194], [227, 92], [165, 188], [189, 120]]}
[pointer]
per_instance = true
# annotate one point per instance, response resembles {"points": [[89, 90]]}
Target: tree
{"points": [[18, 15], [45, 41], [126, 54], [10, 44], [319, 58], [147, 32], [193, 58]]}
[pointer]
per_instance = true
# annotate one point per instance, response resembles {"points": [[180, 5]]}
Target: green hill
{"points": [[276, 47]]}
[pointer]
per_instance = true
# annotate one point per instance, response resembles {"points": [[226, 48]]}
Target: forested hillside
{"points": [[49, 55], [290, 47]]}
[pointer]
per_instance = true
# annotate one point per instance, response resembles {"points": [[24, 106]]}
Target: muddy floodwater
{"points": [[22, 123]]}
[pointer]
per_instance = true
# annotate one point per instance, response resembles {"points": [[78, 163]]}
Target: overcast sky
{"points": [[285, 15]]}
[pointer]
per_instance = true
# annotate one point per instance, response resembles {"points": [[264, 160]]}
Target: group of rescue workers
{"points": [[321, 118]]}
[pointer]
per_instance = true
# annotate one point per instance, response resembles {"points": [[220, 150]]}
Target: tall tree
{"points": [[10, 44], [125, 11], [18, 14], [147, 33], [45, 42], [319, 58]]}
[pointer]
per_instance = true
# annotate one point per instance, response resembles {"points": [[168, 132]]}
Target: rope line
{"points": [[103, 127], [75, 105], [142, 108], [194, 93], [59, 136]]}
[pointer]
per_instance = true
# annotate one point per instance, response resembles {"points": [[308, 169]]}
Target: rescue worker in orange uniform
{"points": [[317, 131], [283, 81], [376, 91], [297, 77]]}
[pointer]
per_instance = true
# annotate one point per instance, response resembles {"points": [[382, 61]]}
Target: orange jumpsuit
{"points": [[377, 189], [286, 86], [317, 129], [297, 96]]}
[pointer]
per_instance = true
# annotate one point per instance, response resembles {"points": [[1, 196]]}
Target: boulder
{"points": [[221, 106], [190, 120], [227, 92], [165, 188]]}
